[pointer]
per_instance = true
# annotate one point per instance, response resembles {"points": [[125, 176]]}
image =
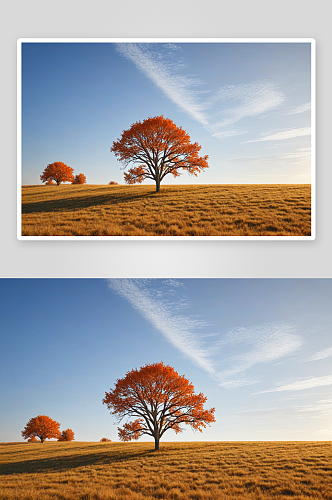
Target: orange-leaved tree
{"points": [[79, 179], [42, 427], [58, 172], [67, 435], [161, 399], [157, 147]]}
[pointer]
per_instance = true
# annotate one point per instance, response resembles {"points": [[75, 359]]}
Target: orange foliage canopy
{"points": [[67, 435], [58, 172], [42, 427], [161, 399], [158, 147], [79, 179]]}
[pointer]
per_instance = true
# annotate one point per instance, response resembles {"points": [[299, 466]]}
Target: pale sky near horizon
{"points": [[259, 349], [247, 104]]}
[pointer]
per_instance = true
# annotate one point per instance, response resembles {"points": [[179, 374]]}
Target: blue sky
{"points": [[259, 349], [247, 104]]}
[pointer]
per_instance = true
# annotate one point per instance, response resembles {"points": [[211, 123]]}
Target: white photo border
{"points": [[312, 41]]}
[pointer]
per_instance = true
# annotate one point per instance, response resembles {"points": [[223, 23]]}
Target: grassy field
{"points": [[182, 210], [180, 471]]}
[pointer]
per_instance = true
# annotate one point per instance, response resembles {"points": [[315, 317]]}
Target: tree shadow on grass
{"points": [[67, 462], [79, 203], [9, 443]]}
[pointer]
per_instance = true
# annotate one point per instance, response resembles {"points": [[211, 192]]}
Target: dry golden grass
{"points": [[181, 210], [180, 471]]}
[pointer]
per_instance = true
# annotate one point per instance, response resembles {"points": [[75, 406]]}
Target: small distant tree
{"points": [[161, 399], [67, 435], [42, 427], [50, 183], [158, 147], [104, 440], [113, 183], [79, 179], [58, 172], [33, 439]]}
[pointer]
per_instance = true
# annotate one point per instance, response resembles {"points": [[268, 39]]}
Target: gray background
{"points": [[160, 18]]}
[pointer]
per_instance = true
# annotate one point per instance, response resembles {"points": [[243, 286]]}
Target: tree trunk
{"points": [[157, 186], [42, 440], [156, 444]]}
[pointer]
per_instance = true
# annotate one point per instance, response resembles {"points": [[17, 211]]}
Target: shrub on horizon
{"points": [[79, 179], [67, 435], [113, 183], [104, 440], [33, 439]]}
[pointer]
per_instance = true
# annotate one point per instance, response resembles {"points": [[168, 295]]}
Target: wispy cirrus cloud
{"points": [[284, 134], [216, 112], [254, 99], [320, 408], [228, 358], [300, 109], [300, 155], [158, 308], [181, 89], [267, 343], [224, 134], [325, 353], [300, 385], [260, 165]]}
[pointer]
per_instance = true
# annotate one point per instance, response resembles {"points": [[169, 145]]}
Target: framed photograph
{"points": [[166, 388], [170, 139]]}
